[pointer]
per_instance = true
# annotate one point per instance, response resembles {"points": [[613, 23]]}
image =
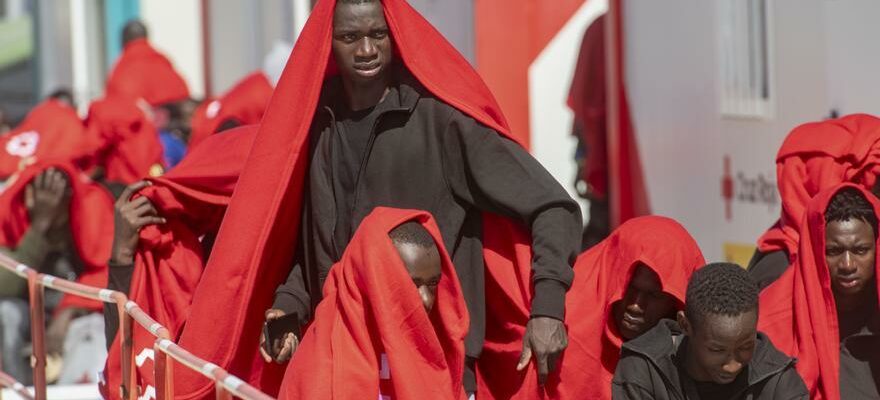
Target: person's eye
{"points": [[833, 251]]}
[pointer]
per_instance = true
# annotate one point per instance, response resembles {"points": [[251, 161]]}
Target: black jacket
{"points": [[649, 369], [424, 154], [766, 268]]}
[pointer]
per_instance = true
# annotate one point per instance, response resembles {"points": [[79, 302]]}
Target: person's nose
{"points": [[848, 265], [732, 367], [636, 306], [366, 49]]}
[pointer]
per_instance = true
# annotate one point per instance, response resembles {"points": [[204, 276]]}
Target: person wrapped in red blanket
{"points": [[392, 322], [814, 157], [623, 286], [824, 309], [243, 104]]}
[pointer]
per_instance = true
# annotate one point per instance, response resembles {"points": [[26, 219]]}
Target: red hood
{"points": [[143, 73], [371, 308], [602, 275], [91, 222], [245, 103], [798, 311], [130, 149]]}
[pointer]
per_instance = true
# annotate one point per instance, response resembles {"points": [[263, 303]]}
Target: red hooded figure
{"points": [[814, 157], [602, 276], [129, 142], [799, 311], [51, 131], [244, 104], [372, 330], [91, 224], [143, 73]]}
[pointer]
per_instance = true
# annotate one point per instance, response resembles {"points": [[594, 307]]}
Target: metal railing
{"points": [[166, 351]]}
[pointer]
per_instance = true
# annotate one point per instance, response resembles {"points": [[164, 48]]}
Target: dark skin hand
{"points": [[282, 349], [47, 200], [128, 218], [546, 338]]}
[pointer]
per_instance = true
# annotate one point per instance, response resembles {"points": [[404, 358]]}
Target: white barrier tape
{"points": [[233, 382], [129, 305], [209, 368], [106, 295], [164, 344], [21, 269], [18, 387], [48, 280], [154, 329]]}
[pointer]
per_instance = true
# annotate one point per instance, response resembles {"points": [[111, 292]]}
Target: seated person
{"points": [[714, 350], [392, 321], [825, 310], [623, 286], [814, 157], [54, 221]]}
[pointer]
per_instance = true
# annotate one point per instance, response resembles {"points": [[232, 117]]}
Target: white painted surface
{"points": [[54, 392], [549, 83], [175, 29], [853, 55]]}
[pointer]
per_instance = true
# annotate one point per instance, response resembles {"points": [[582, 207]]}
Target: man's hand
{"points": [[283, 348], [128, 219], [47, 199], [547, 339]]}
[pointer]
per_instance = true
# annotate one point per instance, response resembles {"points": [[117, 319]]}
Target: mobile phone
{"points": [[276, 329]]}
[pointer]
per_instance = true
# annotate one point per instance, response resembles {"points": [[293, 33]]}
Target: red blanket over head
{"points": [[245, 103], [143, 73], [130, 149], [818, 156], [254, 248], [169, 261], [51, 131], [91, 224], [371, 325], [602, 275], [798, 311]]}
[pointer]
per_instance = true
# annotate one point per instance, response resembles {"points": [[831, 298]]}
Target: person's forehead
{"points": [[729, 329], [354, 16]]}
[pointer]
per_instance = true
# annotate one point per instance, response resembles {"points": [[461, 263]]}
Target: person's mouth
{"points": [[632, 321], [848, 282], [368, 70], [725, 378]]}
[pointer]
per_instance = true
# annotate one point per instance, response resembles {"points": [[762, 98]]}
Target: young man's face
{"points": [[850, 251], [721, 346], [643, 304], [423, 265], [362, 43]]}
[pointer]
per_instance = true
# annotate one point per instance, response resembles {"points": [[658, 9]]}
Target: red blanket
{"points": [[91, 224], [798, 311], [818, 156], [602, 275], [245, 103], [143, 73], [371, 335], [51, 131], [130, 149]]}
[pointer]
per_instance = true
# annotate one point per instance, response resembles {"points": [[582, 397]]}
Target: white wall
{"points": [[176, 30], [454, 19], [672, 77], [853, 55]]}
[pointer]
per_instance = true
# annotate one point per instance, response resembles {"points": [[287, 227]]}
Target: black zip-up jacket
{"points": [[649, 369], [424, 154]]}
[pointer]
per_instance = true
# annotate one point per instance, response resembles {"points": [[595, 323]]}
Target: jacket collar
{"points": [[403, 97]]}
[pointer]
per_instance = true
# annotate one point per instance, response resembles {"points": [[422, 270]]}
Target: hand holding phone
{"points": [[280, 336]]}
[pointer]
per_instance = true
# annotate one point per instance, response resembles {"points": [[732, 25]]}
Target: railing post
{"points": [[128, 389], [222, 393], [164, 374], [38, 334]]}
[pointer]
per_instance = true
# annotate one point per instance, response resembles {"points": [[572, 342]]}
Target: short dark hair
{"points": [[133, 30], [412, 233], [849, 203], [355, 1], [720, 289], [62, 94]]}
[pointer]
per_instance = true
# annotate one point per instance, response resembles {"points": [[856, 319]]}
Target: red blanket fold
{"points": [[602, 275], [798, 311], [255, 245], [143, 73], [130, 149], [818, 156], [371, 326], [51, 131], [91, 224], [169, 261], [245, 103]]}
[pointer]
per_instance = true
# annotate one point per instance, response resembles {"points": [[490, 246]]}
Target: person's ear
{"points": [[684, 323]]}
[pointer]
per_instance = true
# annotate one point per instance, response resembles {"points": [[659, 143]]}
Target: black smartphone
{"points": [[276, 329]]}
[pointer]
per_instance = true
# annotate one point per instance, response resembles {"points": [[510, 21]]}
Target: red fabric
{"points": [[798, 311], [602, 275], [588, 101], [245, 102], [51, 131], [371, 308], [169, 262], [817, 156], [130, 149], [254, 247], [91, 224], [143, 73]]}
